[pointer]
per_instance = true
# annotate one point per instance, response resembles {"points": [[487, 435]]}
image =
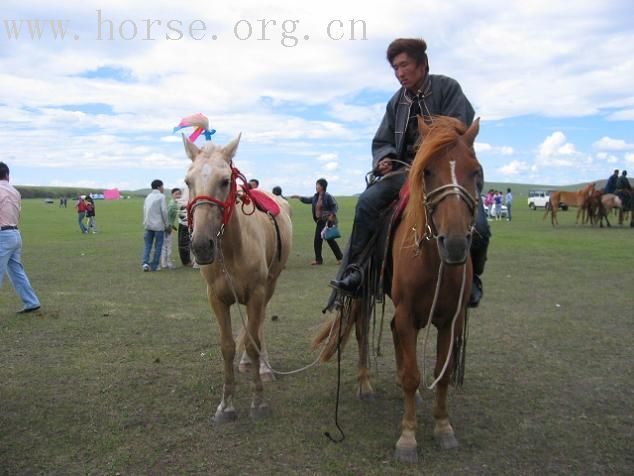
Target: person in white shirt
{"points": [[155, 223], [11, 243]]}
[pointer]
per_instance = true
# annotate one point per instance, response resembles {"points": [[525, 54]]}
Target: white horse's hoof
{"points": [[406, 455], [225, 416], [244, 367], [261, 411], [267, 376], [446, 441]]}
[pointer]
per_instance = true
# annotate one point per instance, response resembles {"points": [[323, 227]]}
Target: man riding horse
{"points": [[393, 150]]}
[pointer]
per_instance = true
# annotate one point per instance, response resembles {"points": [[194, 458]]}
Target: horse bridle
{"points": [[437, 195], [227, 206]]}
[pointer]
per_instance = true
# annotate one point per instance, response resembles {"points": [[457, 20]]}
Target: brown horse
{"points": [[242, 252], [577, 199], [432, 272]]}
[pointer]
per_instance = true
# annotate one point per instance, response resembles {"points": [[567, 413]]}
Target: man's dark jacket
{"points": [[440, 95]]}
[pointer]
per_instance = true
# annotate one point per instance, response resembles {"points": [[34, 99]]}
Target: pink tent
{"points": [[112, 194]]}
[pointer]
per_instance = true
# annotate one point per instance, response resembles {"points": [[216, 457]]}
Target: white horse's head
{"points": [[210, 183]]}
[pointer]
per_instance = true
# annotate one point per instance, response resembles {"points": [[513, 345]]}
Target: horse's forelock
{"points": [[442, 132]]}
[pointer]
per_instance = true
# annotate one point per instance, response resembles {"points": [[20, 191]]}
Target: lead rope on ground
{"points": [[453, 323]]}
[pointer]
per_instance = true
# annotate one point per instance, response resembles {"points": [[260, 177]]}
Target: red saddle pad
{"points": [[263, 201]]}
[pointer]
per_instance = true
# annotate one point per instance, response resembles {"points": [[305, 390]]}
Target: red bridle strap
{"points": [[227, 206]]}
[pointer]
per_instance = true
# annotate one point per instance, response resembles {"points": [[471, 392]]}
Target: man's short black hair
{"points": [[323, 182], [413, 47], [4, 171], [277, 190], [175, 189], [156, 184]]}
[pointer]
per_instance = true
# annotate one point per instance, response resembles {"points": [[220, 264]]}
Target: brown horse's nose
{"points": [[454, 249]]}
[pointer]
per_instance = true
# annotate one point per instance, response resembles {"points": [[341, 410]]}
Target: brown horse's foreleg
{"points": [[362, 323], [443, 431], [405, 334], [253, 344], [225, 412]]}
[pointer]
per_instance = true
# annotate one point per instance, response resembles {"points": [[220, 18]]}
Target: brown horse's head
{"points": [[211, 195], [445, 181]]}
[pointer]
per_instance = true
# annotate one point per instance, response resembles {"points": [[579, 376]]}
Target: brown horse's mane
{"points": [[442, 133]]}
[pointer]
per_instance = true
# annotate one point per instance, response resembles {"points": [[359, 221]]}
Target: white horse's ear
{"points": [[472, 132], [231, 148], [190, 148]]}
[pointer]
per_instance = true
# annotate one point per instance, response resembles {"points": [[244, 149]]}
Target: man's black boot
{"points": [[350, 281], [476, 291]]}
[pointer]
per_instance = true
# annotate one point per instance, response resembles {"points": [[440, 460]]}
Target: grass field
{"points": [[120, 373]]}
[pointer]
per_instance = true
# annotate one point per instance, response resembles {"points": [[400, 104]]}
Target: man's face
{"points": [[407, 72], [177, 195]]}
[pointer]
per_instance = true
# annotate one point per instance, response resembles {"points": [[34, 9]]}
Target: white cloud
{"points": [[483, 147], [327, 157], [629, 158], [608, 143], [330, 166], [514, 167], [555, 146]]}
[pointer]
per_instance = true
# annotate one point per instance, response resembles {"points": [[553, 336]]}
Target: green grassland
{"points": [[120, 373]]}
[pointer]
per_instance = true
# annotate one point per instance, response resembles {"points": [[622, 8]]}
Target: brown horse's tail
{"points": [[332, 332]]}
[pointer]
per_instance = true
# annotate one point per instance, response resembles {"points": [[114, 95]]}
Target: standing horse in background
{"points": [[241, 251], [432, 274], [577, 199]]}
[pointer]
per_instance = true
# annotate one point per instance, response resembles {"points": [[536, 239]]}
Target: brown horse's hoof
{"points": [[225, 416], [406, 455], [261, 411], [366, 397], [447, 441]]}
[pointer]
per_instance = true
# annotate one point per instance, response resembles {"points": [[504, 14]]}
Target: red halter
{"points": [[227, 206]]}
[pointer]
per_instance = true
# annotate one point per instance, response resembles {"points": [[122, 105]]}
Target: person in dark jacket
{"points": [[394, 147], [325, 214], [610, 185]]}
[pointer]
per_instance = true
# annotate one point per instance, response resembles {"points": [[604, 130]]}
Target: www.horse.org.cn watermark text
{"points": [[286, 31]]}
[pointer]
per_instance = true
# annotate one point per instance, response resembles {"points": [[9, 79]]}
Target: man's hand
{"points": [[384, 166]]}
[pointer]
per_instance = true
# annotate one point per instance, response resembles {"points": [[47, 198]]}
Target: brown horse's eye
{"points": [[226, 182]]}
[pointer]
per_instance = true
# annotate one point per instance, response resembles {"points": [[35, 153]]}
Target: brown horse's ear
{"points": [[423, 128], [472, 132], [190, 148], [231, 148]]}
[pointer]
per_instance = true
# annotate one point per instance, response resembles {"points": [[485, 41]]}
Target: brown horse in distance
{"points": [[577, 199]]}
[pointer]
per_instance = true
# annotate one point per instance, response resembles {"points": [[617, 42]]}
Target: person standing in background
{"points": [[90, 213], [325, 214], [155, 224], [509, 204], [172, 217], [11, 243], [81, 213]]}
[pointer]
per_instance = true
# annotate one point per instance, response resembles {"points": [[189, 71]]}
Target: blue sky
{"points": [[553, 84]]}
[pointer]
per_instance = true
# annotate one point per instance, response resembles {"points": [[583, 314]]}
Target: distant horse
{"points": [[577, 199], [597, 210], [432, 274], [627, 200], [241, 251]]}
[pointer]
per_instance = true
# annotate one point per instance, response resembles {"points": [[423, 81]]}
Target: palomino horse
{"points": [[577, 199], [241, 251], [432, 272]]}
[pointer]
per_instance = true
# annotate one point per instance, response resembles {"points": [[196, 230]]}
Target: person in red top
{"points": [[81, 213]]}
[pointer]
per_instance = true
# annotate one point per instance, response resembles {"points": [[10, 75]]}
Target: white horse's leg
{"points": [[255, 311], [225, 412]]}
